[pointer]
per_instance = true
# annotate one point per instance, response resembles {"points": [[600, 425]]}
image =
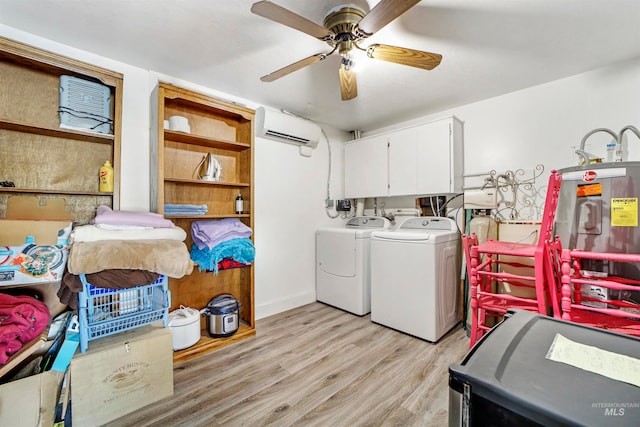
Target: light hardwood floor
{"points": [[313, 366]]}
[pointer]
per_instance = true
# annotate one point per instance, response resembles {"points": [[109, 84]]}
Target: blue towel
{"points": [[184, 209], [241, 250]]}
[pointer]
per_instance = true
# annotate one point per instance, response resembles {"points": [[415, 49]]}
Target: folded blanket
{"points": [[168, 257], [122, 227], [105, 215], [241, 250], [92, 233], [207, 234]]}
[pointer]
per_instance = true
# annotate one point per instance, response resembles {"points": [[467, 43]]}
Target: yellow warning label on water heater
{"points": [[624, 212]]}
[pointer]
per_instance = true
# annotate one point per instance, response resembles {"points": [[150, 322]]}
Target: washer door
{"points": [[336, 253]]}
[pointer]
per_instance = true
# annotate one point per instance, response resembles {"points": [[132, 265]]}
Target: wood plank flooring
{"points": [[313, 366]]}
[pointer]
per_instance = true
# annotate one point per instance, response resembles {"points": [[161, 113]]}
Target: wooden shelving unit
{"points": [[36, 154], [225, 130]]}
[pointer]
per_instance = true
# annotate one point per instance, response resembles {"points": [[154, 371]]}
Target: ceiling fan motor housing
{"points": [[342, 20]]}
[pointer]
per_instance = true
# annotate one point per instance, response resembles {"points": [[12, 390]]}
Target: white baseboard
{"points": [[283, 304]]}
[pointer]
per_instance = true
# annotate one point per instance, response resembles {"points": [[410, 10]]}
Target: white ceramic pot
{"points": [[185, 327]]}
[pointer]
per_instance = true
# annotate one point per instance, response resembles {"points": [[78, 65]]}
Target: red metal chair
{"points": [[601, 302], [484, 270]]}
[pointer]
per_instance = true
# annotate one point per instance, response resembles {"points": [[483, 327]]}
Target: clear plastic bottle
{"points": [[611, 152], [239, 204], [619, 152]]}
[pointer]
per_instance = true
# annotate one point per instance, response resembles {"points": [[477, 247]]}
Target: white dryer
{"points": [[414, 277], [342, 264]]}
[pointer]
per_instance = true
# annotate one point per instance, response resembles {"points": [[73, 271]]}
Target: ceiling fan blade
{"points": [[348, 84], [404, 56], [383, 13], [293, 67], [279, 14]]}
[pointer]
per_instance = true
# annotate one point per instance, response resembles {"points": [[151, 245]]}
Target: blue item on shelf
{"points": [[104, 311]]}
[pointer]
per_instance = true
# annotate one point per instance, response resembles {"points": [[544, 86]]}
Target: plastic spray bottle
{"points": [[106, 177]]}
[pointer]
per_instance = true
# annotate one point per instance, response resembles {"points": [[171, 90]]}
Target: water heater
{"points": [[598, 211]]}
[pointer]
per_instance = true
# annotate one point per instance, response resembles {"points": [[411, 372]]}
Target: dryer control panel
{"points": [[429, 223], [368, 222]]}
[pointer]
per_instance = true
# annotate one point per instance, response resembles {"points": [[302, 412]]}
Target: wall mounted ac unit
{"points": [[286, 128]]}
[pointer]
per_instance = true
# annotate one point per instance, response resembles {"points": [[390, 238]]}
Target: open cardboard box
{"points": [[31, 401], [34, 241], [34, 246], [521, 232]]}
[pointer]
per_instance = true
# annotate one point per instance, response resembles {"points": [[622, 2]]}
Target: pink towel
{"points": [[105, 215]]}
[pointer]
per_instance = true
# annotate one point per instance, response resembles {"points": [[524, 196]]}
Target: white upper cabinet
{"points": [[366, 167], [426, 159], [402, 162], [440, 157]]}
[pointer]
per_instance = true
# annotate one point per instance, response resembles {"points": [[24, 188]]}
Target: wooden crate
{"points": [[120, 374]]}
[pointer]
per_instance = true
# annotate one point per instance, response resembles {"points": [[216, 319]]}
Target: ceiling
{"points": [[489, 48]]}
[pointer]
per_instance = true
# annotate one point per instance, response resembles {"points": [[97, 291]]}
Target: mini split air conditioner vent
{"points": [[291, 138], [286, 128]]}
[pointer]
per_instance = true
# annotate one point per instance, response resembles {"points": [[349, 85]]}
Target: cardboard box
{"points": [[521, 232], [30, 401], [121, 373], [34, 242]]}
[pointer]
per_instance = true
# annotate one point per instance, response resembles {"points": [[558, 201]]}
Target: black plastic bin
{"points": [[506, 380]]}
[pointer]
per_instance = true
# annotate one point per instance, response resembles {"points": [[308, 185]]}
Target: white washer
{"points": [[342, 264], [414, 277]]}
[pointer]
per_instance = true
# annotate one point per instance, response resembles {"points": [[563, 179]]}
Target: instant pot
{"points": [[222, 315]]}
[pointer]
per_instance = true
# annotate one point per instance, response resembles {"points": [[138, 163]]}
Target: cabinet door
{"points": [[434, 156], [366, 168], [402, 162]]}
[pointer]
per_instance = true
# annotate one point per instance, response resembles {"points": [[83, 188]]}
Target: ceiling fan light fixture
{"points": [[347, 62]]}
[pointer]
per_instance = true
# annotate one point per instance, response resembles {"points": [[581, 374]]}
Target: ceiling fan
{"points": [[344, 27]]}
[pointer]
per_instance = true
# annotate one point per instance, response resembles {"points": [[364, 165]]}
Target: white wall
{"points": [[289, 189], [546, 123]]}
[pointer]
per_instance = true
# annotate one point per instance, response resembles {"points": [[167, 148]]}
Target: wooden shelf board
{"points": [[201, 182], [56, 132], [200, 101], [203, 141], [44, 60], [208, 343], [41, 191], [207, 216]]}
